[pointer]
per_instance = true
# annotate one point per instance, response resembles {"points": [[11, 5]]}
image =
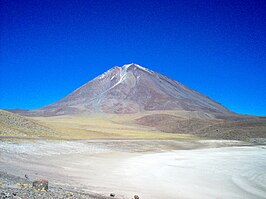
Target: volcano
{"points": [[131, 89]]}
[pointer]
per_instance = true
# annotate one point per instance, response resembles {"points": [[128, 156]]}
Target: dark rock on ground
{"points": [[40, 184], [136, 197]]}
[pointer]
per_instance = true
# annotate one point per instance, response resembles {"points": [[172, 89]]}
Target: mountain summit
{"points": [[131, 89]]}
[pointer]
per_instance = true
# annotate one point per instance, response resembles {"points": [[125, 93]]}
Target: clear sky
{"points": [[51, 47]]}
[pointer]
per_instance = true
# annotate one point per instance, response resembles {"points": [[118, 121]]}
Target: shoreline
{"points": [[9, 188]]}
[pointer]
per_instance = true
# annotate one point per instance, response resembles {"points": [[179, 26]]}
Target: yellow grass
{"points": [[103, 126]]}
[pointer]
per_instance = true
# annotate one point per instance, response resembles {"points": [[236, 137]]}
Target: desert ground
{"points": [[155, 169], [92, 156], [144, 125]]}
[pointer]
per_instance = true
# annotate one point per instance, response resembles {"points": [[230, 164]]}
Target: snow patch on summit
{"points": [[113, 77], [145, 69], [126, 66]]}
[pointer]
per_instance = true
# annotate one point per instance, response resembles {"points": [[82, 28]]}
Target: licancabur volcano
{"points": [[131, 89]]}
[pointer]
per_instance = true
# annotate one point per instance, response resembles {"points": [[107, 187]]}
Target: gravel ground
{"points": [[20, 188]]}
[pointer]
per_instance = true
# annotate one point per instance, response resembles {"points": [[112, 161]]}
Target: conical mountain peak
{"points": [[132, 88]]}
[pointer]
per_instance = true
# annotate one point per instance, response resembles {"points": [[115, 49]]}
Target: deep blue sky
{"points": [[49, 47]]}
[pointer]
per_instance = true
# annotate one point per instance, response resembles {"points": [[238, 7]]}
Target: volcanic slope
{"points": [[132, 89]]}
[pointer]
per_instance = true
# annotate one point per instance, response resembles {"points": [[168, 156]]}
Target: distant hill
{"points": [[245, 128], [13, 125]]}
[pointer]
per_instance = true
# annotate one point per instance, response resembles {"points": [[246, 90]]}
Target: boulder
{"points": [[40, 184]]}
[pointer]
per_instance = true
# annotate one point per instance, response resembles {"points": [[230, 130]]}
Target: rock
{"points": [[112, 195], [136, 197], [40, 184]]}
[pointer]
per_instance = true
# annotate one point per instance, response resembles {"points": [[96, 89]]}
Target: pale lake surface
{"points": [[224, 172]]}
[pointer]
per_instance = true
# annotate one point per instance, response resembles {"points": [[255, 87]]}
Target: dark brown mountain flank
{"points": [[237, 128], [131, 89]]}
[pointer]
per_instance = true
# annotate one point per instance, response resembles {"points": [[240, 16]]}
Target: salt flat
{"points": [[151, 169]]}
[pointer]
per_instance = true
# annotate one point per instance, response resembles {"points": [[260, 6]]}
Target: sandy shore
{"points": [[150, 169]]}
